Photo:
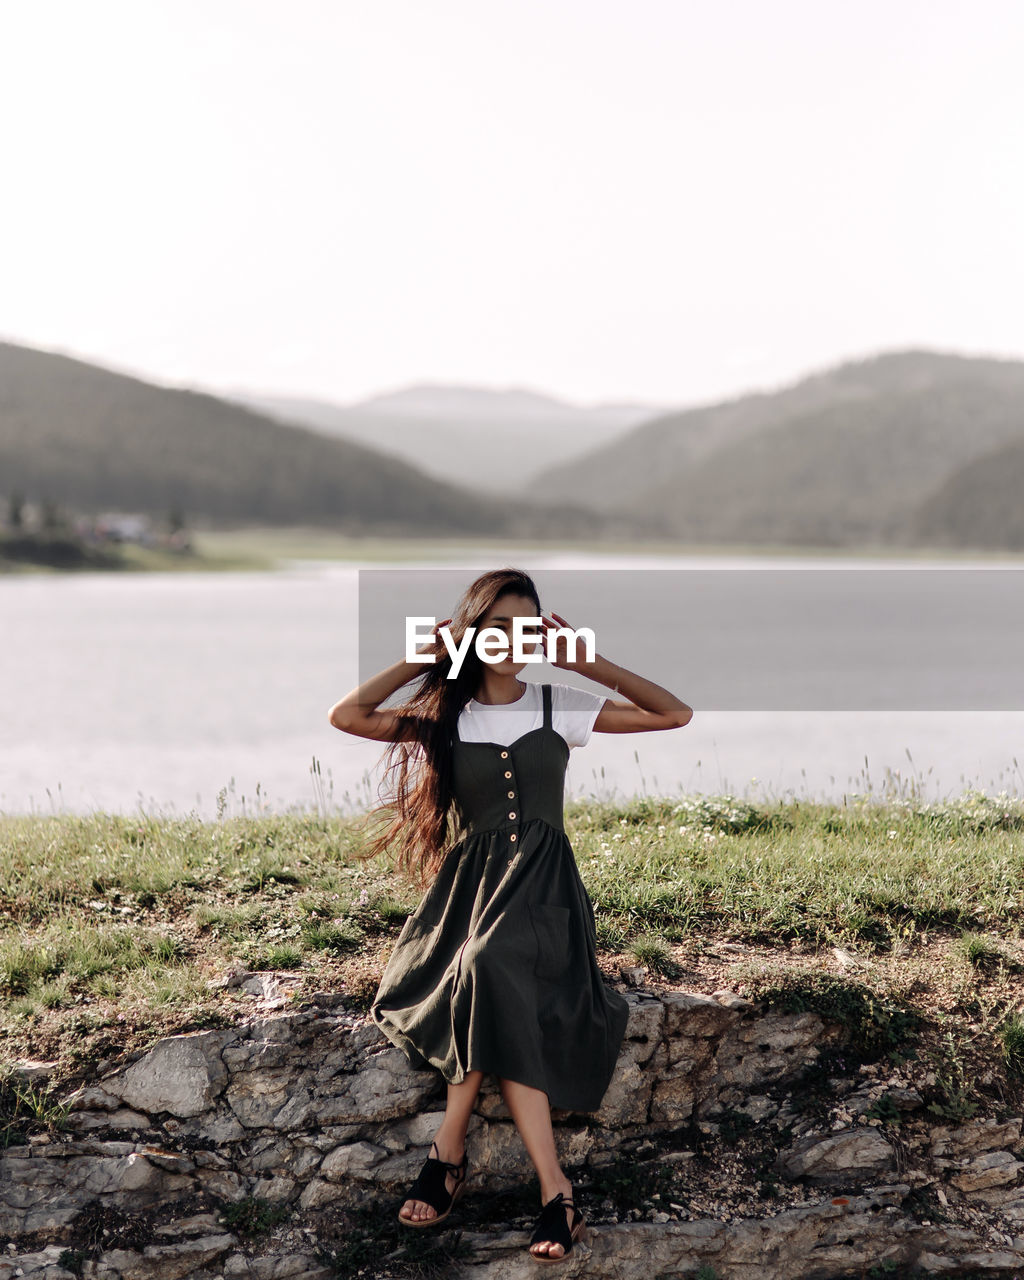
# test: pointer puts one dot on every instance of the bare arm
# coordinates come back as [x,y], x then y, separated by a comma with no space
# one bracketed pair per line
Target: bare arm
[650,706]
[357,711]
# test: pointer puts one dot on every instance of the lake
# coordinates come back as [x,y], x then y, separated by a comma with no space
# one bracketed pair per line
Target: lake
[209,692]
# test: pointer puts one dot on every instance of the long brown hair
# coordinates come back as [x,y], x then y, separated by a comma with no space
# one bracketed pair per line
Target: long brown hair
[416,788]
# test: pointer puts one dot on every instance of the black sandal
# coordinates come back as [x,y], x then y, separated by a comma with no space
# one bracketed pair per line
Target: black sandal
[551,1226]
[430,1188]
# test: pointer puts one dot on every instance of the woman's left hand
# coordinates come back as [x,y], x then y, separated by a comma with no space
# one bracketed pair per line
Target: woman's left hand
[559,656]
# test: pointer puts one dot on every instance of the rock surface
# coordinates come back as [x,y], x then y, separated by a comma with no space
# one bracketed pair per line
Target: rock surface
[316,1113]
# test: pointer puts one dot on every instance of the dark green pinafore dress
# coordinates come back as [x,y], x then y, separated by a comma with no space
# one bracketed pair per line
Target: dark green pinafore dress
[496,969]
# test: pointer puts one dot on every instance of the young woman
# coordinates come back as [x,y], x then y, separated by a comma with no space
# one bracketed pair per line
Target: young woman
[496,969]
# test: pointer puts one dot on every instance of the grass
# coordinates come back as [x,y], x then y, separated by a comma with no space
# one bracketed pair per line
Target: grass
[877,1025]
[253,1216]
[654,953]
[64,552]
[263,547]
[627,1181]
[868,876]
[373,1243]
[312,543]
[26,1108]
[113,927]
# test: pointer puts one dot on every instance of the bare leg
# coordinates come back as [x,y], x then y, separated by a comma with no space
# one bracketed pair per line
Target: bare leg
[450,1139]
[531,1111]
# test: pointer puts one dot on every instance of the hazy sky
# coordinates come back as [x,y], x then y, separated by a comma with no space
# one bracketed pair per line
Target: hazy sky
[659,200]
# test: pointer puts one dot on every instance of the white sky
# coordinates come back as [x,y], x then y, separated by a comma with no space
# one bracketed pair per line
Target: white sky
[659,200]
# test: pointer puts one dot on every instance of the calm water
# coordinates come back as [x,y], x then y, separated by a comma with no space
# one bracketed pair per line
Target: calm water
[201,692]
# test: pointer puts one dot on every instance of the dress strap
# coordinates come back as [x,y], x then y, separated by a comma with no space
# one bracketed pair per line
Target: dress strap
[546,694]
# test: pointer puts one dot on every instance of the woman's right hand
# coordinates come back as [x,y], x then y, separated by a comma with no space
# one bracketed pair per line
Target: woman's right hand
[357,712]
[435,644]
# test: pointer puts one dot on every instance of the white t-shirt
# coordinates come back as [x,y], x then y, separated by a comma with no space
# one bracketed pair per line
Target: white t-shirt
[573,712]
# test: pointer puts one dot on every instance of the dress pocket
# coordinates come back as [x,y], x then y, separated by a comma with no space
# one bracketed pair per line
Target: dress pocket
[551,924]
[418,924]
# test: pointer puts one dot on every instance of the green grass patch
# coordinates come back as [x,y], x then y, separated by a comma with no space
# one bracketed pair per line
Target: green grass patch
[26,1108]
[652,951]
[979,951]
[627,1181]
[374,1243]
[144,911]
[253,1216]
[1011,1035]
[862,875]
[877,1025]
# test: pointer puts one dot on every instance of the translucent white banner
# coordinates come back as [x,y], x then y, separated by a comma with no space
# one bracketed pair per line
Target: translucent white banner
[802,639]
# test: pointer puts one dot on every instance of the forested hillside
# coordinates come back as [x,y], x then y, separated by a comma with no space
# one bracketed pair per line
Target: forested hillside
[494,439]
[909,448]
[89,438]
[981,505]
[857,454]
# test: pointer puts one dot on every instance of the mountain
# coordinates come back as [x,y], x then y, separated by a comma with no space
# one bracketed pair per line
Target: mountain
[980,505]
[844,457]
[92,439]
[490,439]
[905,448]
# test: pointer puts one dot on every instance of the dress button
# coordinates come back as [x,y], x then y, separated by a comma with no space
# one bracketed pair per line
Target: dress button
[512,837]
[507,774]
[512,814]
[504,755]
[511,795]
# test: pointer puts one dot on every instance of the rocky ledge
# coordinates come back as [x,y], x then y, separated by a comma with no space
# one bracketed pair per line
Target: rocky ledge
[731,1139]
